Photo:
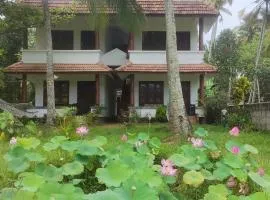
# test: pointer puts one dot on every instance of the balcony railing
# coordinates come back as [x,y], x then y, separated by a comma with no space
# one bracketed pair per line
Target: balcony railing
[159,57]
[63,56]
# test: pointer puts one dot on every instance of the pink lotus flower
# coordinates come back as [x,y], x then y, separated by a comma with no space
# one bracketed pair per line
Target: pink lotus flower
[235,131]
[235,150]
[82,131]
[261,171]
[13,141]
[196,142]
[167,168]
[124,138]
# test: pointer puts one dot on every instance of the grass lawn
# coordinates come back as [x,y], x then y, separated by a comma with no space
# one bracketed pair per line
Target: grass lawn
[113,132]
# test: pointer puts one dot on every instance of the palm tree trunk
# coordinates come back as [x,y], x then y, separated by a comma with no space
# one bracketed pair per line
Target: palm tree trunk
[178,120]
[256,87]
[50,75]
[213,40]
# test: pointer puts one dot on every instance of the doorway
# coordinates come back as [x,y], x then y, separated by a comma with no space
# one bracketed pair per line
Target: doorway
[186,94]
[86,96]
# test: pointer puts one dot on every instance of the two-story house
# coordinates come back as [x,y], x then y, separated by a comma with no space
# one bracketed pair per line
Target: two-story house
[116,69]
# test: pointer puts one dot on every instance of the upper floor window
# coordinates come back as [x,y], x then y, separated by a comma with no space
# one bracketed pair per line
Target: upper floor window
[88,40]
[151,92]
[62,40]
[154,40]
[183,41]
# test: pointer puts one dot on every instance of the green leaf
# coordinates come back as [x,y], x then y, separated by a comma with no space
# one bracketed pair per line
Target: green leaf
[259,196]
[8,193]
[201,132]
[18,165]
[34,157]
[193,178]
[31,182]
[207,175]
[147,175]
[49,146]
[29,143]
[222,172]
[214,196]
[73,168]
[240,174]
[107,194]
[219,189]
[181,160]
[114,174]
[50,173]
[263,181]
[209,144]
[251,149]
[16,152]
[70,146]
[59,139]
[233,161]
[87,150]
[99,141]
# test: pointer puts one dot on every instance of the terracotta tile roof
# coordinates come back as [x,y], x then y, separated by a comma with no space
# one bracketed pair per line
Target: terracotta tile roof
[152,7]
[21,67]
[159,68]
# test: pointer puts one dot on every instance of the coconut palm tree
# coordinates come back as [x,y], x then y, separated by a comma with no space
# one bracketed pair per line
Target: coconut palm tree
[50,75]
[178,120]
[219,5]
[262,6]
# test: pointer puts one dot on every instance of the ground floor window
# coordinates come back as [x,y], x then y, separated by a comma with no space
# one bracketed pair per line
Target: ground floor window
[61,89]
[151,92]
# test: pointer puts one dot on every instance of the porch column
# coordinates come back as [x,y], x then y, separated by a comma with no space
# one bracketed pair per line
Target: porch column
[97,89]
[201,27]
[131,41]
[202,90]
[132,90]
[97,45]
[24,89]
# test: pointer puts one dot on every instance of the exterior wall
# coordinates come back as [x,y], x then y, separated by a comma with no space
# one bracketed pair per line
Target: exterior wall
[80,23]
[143,111]
[182,24]
[77,24]
[38,81]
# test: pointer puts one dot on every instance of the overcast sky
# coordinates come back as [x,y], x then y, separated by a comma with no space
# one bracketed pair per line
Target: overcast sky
[233,21]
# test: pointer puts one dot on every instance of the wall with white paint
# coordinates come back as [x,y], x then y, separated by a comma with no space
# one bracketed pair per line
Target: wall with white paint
[182,24]
[143,111]
[38,81]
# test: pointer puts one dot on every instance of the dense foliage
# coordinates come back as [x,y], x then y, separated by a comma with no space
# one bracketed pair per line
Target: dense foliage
[87,169]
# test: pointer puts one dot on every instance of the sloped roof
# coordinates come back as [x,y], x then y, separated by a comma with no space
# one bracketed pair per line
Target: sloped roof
[21,67]
[160,68]
[151,7]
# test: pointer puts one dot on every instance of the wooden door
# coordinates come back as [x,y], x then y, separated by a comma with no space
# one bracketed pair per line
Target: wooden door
[86,96]
[186,94]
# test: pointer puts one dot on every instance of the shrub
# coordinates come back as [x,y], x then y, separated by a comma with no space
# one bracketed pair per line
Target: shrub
[240,89]
[240,117]
[9,125]
[214,105]
[161,113]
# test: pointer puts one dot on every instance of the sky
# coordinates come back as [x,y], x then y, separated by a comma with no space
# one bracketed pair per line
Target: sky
[233,21]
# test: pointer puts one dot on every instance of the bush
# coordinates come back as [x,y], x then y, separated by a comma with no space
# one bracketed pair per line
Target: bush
[240,117]
[161,113]
[214,105]
[9,125]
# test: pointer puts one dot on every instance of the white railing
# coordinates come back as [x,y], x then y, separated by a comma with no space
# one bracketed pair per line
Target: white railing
[159,57]
[63,56]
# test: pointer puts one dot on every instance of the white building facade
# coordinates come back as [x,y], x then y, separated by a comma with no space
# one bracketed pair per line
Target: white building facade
[116,69]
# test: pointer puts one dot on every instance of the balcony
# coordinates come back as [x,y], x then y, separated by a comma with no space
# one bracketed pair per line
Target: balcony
[159,57]
[63,56]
